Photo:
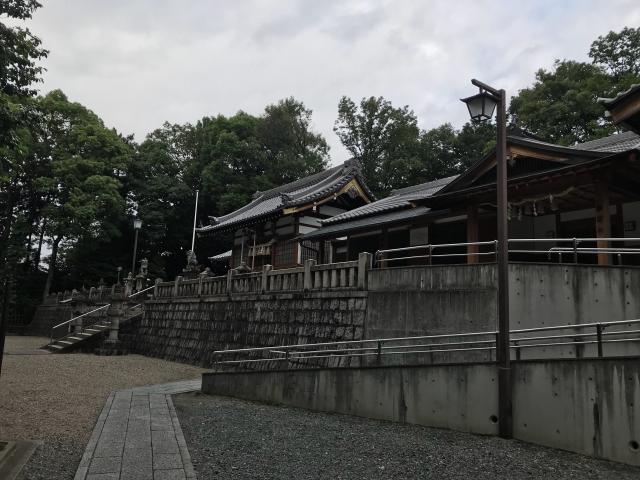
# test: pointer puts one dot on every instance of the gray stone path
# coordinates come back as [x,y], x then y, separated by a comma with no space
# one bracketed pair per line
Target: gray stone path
[138,437]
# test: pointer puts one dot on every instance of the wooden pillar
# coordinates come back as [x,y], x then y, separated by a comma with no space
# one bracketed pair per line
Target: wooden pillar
[603,221]
[321,252]
[472,233]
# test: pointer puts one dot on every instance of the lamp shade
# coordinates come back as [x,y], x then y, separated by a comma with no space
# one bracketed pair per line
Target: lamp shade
[137,223]
[481,106]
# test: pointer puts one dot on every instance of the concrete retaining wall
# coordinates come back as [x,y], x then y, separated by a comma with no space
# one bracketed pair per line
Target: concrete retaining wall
[397,302]
[586,406]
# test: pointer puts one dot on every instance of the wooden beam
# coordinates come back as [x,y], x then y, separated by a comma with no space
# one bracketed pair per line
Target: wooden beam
[625,109]
[472,233]
[353,184]
[518,151]
[603,221]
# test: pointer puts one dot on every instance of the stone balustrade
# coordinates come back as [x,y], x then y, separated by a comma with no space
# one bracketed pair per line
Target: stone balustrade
[310,277]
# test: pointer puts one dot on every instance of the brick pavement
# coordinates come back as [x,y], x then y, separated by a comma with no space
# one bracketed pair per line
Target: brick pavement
[138,437]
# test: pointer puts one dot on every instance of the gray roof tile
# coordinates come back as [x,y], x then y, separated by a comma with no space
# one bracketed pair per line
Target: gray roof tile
[303,191]
[339,229]
[221,256]
[398,199]
[620,142]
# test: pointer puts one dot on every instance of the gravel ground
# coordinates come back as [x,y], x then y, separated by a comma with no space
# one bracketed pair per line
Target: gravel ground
[235,439]
[57,398]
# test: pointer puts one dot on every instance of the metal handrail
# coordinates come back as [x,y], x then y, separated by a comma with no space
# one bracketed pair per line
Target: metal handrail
[381,256]
[431,247]
[141,291]
[76,318]
[380,346]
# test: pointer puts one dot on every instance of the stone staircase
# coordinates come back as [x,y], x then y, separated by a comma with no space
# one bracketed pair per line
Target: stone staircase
[74,339]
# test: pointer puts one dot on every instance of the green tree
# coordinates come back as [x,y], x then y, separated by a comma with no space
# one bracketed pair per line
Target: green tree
[383,138]
[19,52]
[561,106]
[227,159]
[473,141]
[87,162]
[160,196]
[293,150]
[618,52]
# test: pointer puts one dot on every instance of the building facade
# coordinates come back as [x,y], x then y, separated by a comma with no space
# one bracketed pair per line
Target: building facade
[590,191]
[268,229]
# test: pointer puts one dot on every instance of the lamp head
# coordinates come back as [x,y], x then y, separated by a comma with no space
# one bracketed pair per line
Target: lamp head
[481,106]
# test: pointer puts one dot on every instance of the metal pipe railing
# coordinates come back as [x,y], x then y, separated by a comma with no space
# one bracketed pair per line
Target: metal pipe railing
[141,291]
[381,256]
[76,318]
[389,346]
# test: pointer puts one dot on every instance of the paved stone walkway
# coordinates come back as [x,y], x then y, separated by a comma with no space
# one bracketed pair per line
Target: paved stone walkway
[138,437]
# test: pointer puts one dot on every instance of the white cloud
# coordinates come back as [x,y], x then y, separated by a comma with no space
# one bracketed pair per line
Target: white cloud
[138,63]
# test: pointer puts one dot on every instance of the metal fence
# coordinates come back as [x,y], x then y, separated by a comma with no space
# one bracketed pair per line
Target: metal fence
[560,250]
[587,340]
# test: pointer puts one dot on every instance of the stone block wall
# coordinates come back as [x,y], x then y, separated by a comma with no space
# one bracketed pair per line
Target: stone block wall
[47,316]
[189,329]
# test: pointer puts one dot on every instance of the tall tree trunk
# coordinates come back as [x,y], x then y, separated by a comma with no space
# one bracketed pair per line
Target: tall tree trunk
[52,267]
[40,240]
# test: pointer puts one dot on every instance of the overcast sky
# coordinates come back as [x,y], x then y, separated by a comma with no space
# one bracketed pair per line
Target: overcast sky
[139,63]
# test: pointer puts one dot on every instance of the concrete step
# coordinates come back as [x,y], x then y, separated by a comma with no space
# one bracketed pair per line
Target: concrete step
[57,347]
[75,338]
[66,342]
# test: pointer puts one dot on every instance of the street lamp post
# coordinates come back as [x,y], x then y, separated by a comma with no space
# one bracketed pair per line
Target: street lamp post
[137,225]
[481,107]
[119,269]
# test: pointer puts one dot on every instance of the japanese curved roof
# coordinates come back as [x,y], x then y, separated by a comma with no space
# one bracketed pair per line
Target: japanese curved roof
[221,257]
[397,200]
[621,96]
[620,142]
[298,193]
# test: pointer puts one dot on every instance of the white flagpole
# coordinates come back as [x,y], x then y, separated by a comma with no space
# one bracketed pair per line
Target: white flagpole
[195,216]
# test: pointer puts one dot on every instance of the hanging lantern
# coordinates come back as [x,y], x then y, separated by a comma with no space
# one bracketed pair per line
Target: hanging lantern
[520,213]
[481,105]
[553,204]
[535,211]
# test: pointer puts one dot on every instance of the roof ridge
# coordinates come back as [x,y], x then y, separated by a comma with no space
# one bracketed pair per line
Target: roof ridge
[419,186]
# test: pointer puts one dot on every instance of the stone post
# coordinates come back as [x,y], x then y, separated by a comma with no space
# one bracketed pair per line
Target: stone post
[176,285]
[155,287]
[307,280]
[365,260]
[230,275]
[77,324]
[128,285]
[115,314]
[201,278]
[265,278]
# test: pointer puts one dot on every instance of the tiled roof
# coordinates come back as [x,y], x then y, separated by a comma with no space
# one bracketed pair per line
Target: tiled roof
[620,142]
[399,199]
[301,192]
[221,256]
[610,102]
[339,229]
